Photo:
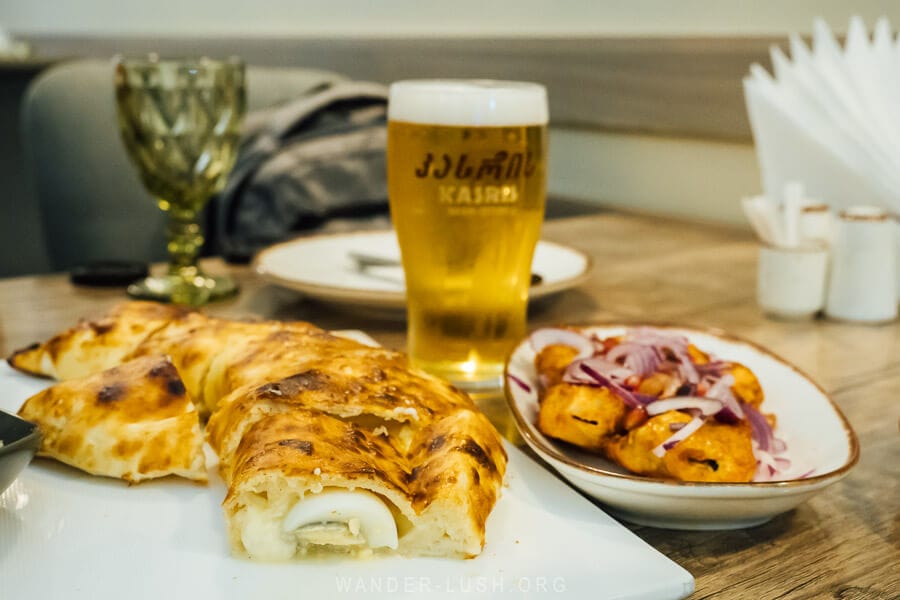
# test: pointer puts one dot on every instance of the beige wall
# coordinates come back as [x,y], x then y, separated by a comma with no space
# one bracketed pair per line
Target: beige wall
[417,17]
[680,177]
[689,179]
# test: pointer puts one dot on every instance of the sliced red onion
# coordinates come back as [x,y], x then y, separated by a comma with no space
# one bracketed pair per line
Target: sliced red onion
[574,373]
[655,337]
[692,426]
[761,430]
[714,367]
[640,358]
[765,469]
[727,416]
[588,365]
[550,336]
[680,363]
[721,391]
[519,382]
[687,370]
[723,383]
[644,398]
[807,474]
[765,447]
[675,426]
[778,445]
[677,344]
[706,406]
[768,465]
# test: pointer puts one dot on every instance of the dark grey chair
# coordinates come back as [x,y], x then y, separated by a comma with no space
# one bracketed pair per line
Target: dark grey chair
[92,204]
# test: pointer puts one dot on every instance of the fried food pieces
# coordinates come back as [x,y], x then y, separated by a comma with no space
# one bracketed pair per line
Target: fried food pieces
[581,415]
[630,399]
[716,452]
[134,422]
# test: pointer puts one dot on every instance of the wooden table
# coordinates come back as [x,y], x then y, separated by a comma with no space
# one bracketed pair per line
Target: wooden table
[842,544]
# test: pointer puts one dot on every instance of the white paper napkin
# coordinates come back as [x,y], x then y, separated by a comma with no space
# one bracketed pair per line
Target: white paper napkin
[829,117]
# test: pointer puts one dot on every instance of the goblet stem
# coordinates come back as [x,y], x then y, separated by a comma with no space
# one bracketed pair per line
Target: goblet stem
[188,285]
[185,239]
[185,283]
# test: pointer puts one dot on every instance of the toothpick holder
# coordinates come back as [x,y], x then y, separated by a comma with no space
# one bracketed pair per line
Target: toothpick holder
[791,281]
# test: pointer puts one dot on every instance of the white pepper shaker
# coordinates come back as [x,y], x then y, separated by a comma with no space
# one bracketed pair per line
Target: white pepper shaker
[863,285]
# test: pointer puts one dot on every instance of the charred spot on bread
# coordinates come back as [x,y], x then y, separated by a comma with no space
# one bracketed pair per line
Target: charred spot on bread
[311,380]
[436,443]
[111,393]
[164,369]
[302,446]
[377,375]
[175,387]
[102,327]
[414,474]
[472,448]
[124,448]
[388,397]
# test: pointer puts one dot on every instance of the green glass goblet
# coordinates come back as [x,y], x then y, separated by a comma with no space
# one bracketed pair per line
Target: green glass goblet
[180,122]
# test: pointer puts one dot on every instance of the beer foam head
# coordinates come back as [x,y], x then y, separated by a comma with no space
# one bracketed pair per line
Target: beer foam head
[478,103]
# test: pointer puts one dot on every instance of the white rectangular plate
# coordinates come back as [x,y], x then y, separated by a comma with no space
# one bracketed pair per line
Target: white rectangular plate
[66,534]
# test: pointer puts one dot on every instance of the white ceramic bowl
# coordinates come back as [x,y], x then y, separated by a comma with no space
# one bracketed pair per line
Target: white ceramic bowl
[818,436]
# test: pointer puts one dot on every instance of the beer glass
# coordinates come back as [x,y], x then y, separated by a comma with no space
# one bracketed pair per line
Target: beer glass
[180,122]
[467,186]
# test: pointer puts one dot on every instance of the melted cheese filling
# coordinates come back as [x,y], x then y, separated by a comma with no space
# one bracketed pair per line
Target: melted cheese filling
[334,518]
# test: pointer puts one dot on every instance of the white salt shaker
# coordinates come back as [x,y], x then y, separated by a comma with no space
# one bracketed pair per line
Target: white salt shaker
[791,280]
[863,283]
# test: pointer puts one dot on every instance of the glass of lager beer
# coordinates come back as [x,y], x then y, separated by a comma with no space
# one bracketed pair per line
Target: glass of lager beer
[467,186]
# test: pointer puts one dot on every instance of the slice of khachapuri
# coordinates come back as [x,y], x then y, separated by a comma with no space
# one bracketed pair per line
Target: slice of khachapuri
[326,445]
[304,482]
[95,345]
[353,455]
[196,344]
[135,422]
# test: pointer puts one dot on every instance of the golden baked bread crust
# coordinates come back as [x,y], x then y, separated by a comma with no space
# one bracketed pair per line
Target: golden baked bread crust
[95,345]
[135,421]
[361,419]
[195,342]
[295,409]
[347,380]
[444,485]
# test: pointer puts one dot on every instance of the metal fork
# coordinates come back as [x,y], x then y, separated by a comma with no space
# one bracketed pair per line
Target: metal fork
[364,261]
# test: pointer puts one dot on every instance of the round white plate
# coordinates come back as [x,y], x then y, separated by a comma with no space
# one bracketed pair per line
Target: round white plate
[322,267]
[60,528]
[818,437]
